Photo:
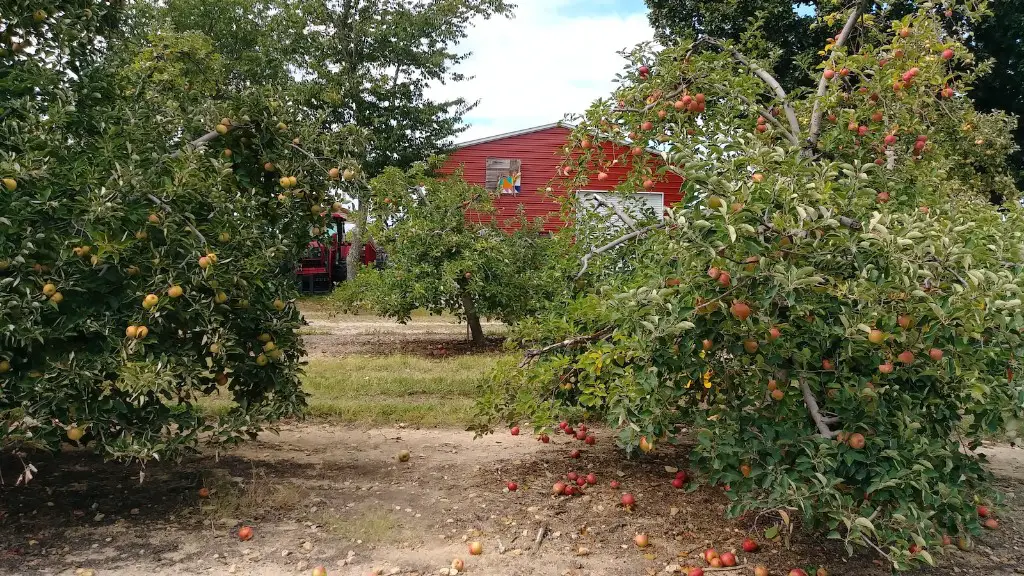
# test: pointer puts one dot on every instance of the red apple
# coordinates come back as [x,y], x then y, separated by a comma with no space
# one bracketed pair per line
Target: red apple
[882,197]
[581,482]
[947,540]
[886,368]
[750,546]
[984,512]
[740,310]
[695,572]
[760,571]
[914,549]
[710,554]
[829,74]
[602,176]
[935,354]
[904,321]
[558,489]
[245,533]
[890,139]
[681,475]
[774,333]
[906,357]
[574,454]
[728,559]
[319,571]
[628,500]
[476,548]
[904,32]
[991,524]
[715,562]
[544,438]
[581,435]
[677,484]
[592,479]
[591,440]
[563,425]
[797,572]
[569,431]
[947,54]
[572,476]
[725,279]
[644,71]
[714,273]
[515,430]
[856,441]
[512,486]
[641,540]
[614,484]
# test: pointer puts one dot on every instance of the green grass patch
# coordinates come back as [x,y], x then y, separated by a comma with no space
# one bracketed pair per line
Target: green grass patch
[387,390]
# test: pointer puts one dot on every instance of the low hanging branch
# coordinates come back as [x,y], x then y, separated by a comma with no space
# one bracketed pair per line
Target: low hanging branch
[812,407]
[814,132]
[617,209]
[567,343]
[780,92]
[618,241]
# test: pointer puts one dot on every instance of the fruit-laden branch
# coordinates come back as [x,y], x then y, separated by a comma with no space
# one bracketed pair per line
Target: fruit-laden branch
[167,209]
[620,240]
[208,137]
[617,209]
[818,112]
[767,115]
[812,407]
[567,343]
[768,79]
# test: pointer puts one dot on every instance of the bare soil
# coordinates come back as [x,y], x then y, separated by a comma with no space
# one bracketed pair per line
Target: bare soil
[338,497]
[332,335]
[335,496]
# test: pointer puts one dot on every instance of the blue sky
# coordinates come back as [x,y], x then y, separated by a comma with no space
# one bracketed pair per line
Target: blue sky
[552,58]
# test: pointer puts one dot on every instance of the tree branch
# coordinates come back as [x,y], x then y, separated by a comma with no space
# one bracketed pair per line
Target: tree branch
[621,240]
[818,112]
[167,209]
[768,79]
[768,116]
[208,137]
[877,549]
[617,209]
[812,407]
[567,343]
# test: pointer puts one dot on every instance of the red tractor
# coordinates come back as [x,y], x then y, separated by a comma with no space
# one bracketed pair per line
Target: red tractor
[324,265]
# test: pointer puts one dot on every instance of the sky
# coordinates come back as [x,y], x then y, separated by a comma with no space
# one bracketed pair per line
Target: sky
[551,58]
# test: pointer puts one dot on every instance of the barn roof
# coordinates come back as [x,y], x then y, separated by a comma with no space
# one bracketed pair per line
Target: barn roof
[531,130]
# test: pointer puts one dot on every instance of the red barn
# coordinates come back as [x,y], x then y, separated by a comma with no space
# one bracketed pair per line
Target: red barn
[536,154]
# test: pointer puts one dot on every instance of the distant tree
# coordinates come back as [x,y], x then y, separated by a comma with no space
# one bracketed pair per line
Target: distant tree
[441,260]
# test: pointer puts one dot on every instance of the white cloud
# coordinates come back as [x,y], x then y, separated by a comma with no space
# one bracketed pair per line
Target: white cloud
[549,60]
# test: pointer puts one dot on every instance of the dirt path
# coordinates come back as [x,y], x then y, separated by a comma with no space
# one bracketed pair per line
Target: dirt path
[318,494]
[336,335]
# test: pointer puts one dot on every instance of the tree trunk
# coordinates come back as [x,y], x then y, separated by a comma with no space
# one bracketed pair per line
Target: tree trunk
[355,253]
[472,319]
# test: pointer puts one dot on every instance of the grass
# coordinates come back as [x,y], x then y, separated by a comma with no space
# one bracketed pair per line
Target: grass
[387,390]
[381,390]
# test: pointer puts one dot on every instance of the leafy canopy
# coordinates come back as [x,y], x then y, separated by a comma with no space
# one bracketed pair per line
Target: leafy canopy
[836,270]
[152,206]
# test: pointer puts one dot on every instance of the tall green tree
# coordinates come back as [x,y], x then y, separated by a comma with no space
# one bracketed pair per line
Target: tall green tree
[834,321]
[364,63]
[787,36]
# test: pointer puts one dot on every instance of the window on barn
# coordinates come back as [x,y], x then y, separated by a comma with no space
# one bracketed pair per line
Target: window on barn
[503,175]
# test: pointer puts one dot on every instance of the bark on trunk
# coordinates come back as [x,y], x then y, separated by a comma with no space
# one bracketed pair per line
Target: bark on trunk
[354,260]
[472,319]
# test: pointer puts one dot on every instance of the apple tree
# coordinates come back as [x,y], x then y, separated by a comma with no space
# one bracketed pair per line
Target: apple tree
[150,211]
[445,253]
[837,269]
